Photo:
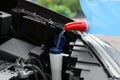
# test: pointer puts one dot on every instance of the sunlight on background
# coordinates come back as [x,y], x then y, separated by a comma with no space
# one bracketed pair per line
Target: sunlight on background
[69,8]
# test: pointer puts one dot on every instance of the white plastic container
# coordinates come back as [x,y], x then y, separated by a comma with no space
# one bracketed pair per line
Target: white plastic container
[56,63]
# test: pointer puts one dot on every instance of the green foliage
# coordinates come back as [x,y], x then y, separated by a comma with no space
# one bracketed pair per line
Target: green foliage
[65,7]
[74,5]
[43,3]
[62,9]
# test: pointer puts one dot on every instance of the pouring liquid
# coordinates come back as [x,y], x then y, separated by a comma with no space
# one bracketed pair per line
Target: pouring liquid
[60,37]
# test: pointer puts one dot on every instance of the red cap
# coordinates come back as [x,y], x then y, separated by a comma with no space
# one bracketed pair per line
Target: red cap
[80,26]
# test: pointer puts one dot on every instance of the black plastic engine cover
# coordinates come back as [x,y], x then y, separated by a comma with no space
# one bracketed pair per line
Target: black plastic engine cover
[5,22]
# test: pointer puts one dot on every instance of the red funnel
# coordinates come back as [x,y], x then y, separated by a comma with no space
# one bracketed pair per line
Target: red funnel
[80,26]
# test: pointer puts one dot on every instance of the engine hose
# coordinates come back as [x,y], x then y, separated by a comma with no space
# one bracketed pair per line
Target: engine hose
[36,77]
[40,71]
[35,59]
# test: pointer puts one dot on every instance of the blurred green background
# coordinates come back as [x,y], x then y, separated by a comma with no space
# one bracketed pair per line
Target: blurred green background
[67,8]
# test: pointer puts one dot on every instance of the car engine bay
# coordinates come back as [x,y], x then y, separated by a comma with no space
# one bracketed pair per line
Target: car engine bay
[27,32]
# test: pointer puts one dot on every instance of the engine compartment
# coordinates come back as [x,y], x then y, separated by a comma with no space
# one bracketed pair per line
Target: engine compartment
[80,64]
[27,33]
